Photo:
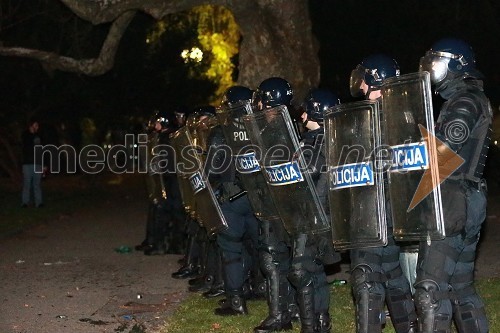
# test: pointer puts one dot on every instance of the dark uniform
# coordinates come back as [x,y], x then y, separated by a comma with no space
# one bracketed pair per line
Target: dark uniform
[312,251]
[376,274]
[444,289]
[237,260]
[165,211]
[274,242]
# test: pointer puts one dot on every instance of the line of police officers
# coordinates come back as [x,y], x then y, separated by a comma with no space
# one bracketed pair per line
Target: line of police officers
[262,208]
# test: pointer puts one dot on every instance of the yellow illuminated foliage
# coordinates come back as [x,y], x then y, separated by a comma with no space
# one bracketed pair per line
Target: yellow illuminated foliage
[219,34]
[218,37]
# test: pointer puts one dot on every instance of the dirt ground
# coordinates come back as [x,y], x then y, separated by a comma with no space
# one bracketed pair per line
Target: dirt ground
[66,276]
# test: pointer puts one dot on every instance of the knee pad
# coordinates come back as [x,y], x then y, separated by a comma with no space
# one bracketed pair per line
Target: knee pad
[426,295]
[428,301]
[470,319]
[267,264]
[369,295]
[363,278]
[299,278]
[402,310]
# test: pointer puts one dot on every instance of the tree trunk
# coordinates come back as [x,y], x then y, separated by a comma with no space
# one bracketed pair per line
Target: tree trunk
[277,41]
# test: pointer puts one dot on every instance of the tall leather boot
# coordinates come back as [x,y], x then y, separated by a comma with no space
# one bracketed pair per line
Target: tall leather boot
[217,288]
[191,268]
[402,310]
[279,316]
[323,323]
[305,298]
[210,268]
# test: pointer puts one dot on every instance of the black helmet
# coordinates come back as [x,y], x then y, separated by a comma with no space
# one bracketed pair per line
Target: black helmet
[272,92]
[236,94]
[205,110]
[372,70]
[447,59]
[317,102]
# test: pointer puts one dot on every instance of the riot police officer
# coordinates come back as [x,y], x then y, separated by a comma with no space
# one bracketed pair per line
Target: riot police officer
[444,289]
[376,274]
[205,266]
[237,259]
[159,186]
[275,243]
[192,265]
[312,251]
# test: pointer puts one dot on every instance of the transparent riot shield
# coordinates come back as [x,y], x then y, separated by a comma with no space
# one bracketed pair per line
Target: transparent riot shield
[155,182]
[184,186]
[189,164]
[356,186]
[231,122]
[408,128]
[291,188]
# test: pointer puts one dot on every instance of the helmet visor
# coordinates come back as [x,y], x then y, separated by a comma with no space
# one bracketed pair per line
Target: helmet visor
[436,64]
[265,99]
[356,80]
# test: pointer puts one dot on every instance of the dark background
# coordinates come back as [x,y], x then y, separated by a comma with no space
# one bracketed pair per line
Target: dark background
[146,77]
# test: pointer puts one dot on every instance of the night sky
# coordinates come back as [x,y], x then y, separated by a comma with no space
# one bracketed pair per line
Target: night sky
[350,30]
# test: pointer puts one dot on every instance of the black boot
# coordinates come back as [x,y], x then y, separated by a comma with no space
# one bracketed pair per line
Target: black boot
[188,271]
[154,250]
[191,269]
[196,281]
[305,298]
[143,246]
[216,290]
[323,323]
[235,305]
[205,284]
[279,317]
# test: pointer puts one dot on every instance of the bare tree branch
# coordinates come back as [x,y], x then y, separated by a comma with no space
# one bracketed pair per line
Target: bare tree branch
[102,11]
[92,67]
[276,36]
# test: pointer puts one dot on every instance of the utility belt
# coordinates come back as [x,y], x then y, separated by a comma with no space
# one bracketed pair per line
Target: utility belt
[229,191]
[479,184]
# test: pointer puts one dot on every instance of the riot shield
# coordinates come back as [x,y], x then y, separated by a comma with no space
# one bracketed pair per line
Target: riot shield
[189,164]
[291,188]
[155,182]
[408,128]
[184,186]
[247,166]
[356,186]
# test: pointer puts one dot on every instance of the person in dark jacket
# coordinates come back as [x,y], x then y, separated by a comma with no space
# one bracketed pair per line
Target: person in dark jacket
[312,251]
[32,164]
[444,287]
[376,274]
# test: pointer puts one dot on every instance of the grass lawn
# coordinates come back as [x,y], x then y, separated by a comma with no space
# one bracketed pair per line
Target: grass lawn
[195,315]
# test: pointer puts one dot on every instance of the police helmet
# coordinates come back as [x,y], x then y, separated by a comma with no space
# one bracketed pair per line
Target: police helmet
[272,92]
[373,70]
[236,94]
[180,113]
[205,110]
[317,102]
[447,59]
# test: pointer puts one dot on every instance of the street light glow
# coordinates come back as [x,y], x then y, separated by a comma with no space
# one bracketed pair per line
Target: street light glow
[195,54]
